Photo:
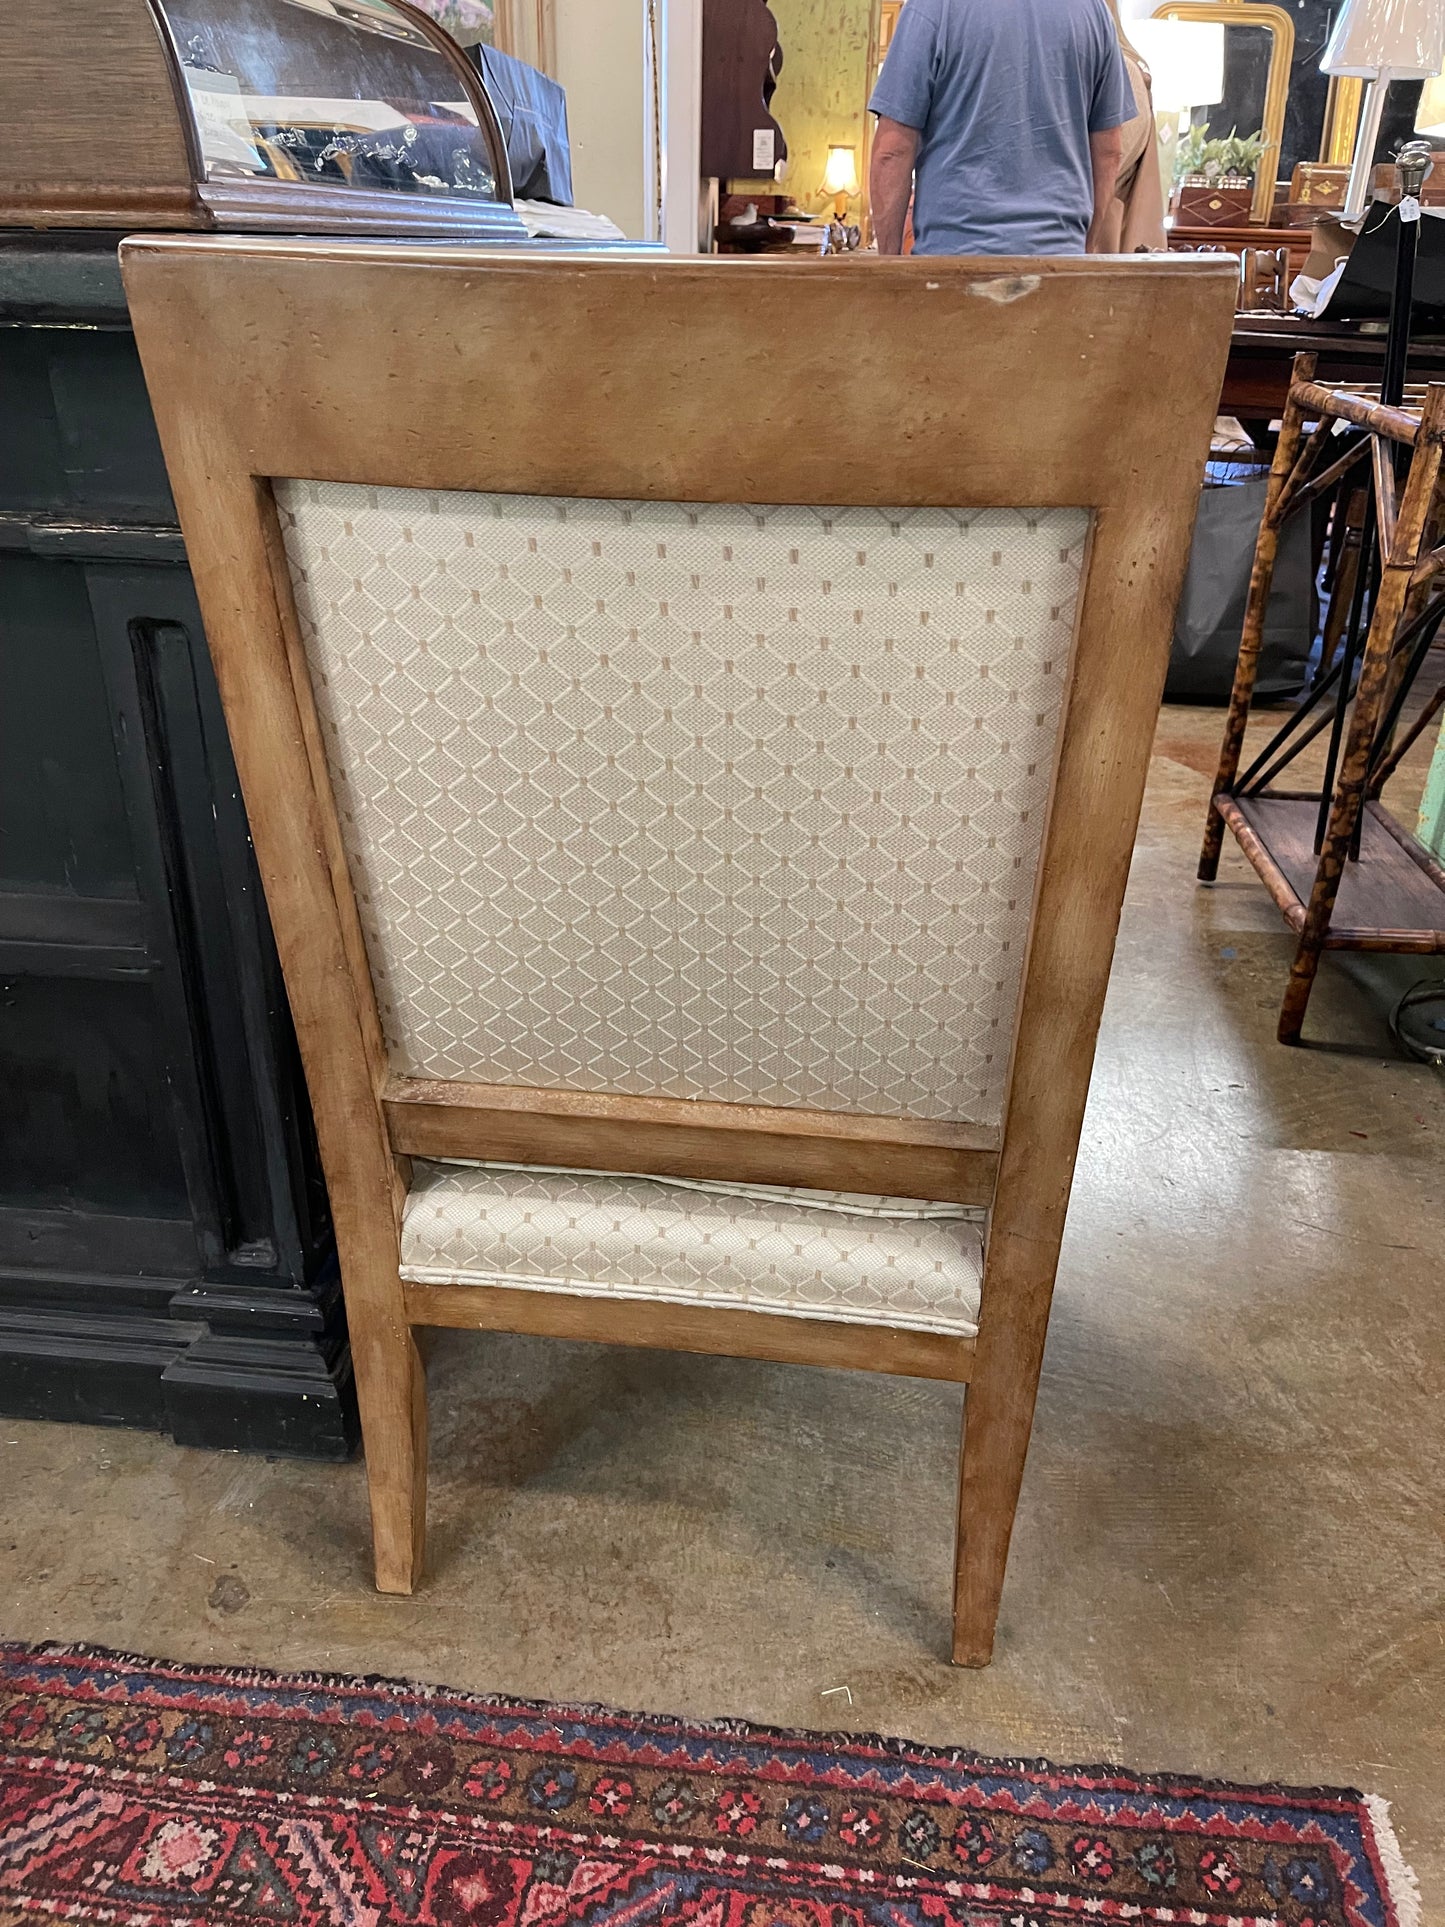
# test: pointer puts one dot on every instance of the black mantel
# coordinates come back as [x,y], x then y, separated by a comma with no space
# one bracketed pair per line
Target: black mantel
[165,1253]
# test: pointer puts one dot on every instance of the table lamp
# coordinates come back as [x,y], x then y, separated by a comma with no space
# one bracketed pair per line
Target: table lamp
[1378,41]
[841,178]
[1430,114]
[1185,59]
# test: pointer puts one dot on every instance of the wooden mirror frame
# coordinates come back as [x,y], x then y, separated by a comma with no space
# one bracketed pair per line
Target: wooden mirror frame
[1252,13]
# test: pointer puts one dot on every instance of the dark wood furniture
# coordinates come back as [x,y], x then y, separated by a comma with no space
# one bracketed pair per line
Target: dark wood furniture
[1234,239]
[1262,351]
[741,59]
[165,1248]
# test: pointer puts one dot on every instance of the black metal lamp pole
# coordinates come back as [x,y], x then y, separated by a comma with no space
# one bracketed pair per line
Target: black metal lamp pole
[1413,162]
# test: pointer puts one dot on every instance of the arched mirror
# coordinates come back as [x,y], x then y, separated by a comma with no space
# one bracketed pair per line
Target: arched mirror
[1249,87]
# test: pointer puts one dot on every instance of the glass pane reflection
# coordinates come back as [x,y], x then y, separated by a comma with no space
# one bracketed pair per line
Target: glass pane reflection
[340,93]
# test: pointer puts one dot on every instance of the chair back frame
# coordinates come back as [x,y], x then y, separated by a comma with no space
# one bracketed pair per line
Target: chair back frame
[1071,383]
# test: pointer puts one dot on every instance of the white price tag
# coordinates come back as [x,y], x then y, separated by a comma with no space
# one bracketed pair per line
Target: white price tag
[1409,208]
[763,150]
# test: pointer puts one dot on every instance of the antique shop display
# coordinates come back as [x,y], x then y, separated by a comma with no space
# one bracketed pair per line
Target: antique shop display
[1214,183]
[715,1002]
[1345,872]
[1258,47]
[1225,70]
[1378,45]
[1315,188]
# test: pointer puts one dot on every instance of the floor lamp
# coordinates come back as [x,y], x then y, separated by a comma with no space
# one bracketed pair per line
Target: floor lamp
[1378,41]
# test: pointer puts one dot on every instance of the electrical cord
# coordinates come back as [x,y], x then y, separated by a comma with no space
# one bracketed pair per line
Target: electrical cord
[1429,990]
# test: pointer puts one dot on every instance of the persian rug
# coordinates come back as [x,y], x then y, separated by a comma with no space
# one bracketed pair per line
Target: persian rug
[148,1795]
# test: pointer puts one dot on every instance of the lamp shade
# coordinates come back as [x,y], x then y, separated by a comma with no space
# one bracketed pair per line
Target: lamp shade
[1430,115]
[841,176]
[1185,59]
[1387,40]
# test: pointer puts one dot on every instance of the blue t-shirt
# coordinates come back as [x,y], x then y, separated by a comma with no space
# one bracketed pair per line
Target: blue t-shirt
[1005,94]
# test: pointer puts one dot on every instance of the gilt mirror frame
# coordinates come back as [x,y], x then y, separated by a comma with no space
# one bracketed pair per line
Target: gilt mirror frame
[1252,13]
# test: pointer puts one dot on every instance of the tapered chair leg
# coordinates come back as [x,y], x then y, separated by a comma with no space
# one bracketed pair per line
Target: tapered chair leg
[997,1419]
[391,1391]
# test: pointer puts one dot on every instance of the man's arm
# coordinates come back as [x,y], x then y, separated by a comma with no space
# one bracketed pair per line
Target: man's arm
[890,181]
[1106,150]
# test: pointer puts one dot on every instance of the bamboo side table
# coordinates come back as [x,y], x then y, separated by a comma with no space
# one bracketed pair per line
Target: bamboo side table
[1344,872]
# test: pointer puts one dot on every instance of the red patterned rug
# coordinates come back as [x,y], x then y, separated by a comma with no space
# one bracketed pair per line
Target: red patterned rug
[149,1795]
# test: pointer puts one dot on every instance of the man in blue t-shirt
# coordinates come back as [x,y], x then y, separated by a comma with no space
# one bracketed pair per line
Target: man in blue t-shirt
[1002,118]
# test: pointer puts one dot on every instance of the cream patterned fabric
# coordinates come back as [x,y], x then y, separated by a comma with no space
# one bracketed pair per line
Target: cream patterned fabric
[813,1254]
[697,801]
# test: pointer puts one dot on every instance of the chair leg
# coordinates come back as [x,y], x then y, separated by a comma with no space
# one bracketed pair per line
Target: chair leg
[391,1391]
[1261,577]
[1302,974]
[997,1420]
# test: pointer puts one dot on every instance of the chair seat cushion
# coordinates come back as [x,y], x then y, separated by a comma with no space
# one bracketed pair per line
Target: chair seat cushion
[810,1254]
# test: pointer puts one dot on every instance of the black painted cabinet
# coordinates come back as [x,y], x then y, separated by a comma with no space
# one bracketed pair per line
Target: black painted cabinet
[165,1257]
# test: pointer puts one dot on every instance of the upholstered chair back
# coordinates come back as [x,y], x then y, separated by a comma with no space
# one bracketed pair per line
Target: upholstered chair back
[693,800]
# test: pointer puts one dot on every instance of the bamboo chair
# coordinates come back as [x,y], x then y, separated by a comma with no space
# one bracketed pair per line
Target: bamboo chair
[696,917]
[1345,874]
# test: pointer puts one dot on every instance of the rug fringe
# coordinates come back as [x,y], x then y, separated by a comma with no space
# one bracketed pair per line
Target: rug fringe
[1404,1888]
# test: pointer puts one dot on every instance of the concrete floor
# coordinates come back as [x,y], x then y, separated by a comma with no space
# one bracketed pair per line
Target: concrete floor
[1229,1553]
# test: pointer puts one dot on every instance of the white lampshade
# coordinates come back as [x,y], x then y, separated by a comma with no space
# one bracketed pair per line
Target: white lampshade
[841,176]
[1387,40]
[1185,59]
[1430,115]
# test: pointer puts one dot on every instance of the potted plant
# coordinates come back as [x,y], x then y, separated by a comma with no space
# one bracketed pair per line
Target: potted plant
[1214,179]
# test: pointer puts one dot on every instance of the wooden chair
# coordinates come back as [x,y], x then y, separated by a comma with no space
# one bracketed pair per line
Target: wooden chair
[696,916]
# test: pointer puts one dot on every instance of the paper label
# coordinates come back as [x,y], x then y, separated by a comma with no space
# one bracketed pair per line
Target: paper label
[222,122]
[763,150]
[1409,208]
